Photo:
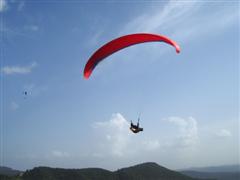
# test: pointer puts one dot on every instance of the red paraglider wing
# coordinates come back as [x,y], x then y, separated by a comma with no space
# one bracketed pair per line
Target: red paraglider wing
[120,43]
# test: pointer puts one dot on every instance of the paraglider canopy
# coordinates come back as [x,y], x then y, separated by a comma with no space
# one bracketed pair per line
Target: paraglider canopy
[120,43]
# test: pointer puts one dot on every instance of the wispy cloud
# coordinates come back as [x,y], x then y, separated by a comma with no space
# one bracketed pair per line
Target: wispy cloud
[11,32]
[223,133]
[175,19]
[187,134]
[31,27]
[14,106]
[162,17]
[3,5]
[60,154]
[9,70]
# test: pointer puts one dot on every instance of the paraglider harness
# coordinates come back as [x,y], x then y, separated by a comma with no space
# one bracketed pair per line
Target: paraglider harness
[135,128]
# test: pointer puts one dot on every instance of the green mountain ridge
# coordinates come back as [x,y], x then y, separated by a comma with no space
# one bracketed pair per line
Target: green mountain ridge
[145,171]
[150,171]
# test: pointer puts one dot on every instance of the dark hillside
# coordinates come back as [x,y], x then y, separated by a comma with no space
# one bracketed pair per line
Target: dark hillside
[150,171]
[46,173]
[146,171]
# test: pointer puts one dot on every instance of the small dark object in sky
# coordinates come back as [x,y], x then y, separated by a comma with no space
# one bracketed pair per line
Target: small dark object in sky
[25,93]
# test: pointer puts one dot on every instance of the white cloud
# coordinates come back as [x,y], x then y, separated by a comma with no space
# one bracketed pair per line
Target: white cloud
[116,121]
[31,27]
[3,5]
[117,134]
[224,133]
[115,139]
[176,145]
[187,135]
[60,154]
[8,70]
[14,106]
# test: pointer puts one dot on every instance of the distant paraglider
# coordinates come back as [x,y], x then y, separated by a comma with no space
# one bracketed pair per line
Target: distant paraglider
[120,43]
[25,93]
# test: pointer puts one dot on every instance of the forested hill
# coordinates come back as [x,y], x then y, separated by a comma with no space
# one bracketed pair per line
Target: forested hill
[150,171]
[145,171]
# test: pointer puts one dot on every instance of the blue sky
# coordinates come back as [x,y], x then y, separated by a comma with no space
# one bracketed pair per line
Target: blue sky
[188,102]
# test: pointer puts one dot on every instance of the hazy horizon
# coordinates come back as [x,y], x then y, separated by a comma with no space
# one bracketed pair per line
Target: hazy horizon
[189,102]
